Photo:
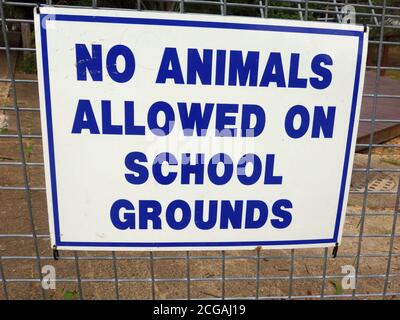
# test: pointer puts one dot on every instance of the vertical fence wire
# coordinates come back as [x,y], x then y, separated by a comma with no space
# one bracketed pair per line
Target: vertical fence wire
[223,7]
[223,268]
[306,10]
[291,272]
[258,263]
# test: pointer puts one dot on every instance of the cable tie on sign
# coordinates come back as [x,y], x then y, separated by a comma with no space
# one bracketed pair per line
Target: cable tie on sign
[335,250]
[56,254]
[38,8]
[365,27]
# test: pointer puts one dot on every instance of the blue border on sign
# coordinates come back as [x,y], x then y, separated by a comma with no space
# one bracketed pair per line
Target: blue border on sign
[194,24]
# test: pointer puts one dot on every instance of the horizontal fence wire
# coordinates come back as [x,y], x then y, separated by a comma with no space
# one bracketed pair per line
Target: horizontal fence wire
[370,241]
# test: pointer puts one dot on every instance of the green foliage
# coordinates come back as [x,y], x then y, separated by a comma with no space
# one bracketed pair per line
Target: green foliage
[70,295]
[337,286]
[391,161]
[282,13]
[28,149]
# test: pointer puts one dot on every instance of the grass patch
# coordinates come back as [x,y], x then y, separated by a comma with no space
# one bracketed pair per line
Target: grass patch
[394,74]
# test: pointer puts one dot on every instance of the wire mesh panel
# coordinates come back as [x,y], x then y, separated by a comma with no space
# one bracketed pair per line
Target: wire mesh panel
[368,257]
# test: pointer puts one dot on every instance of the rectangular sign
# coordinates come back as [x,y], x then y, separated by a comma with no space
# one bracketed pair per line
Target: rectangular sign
[165,131]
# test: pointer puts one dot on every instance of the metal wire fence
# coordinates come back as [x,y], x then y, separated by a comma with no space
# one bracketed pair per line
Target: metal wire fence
[371,244]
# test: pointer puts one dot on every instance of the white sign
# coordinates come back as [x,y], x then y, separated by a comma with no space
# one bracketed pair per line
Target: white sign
[165,131]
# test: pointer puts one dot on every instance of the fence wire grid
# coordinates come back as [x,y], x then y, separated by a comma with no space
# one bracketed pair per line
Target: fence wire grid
[370,243]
